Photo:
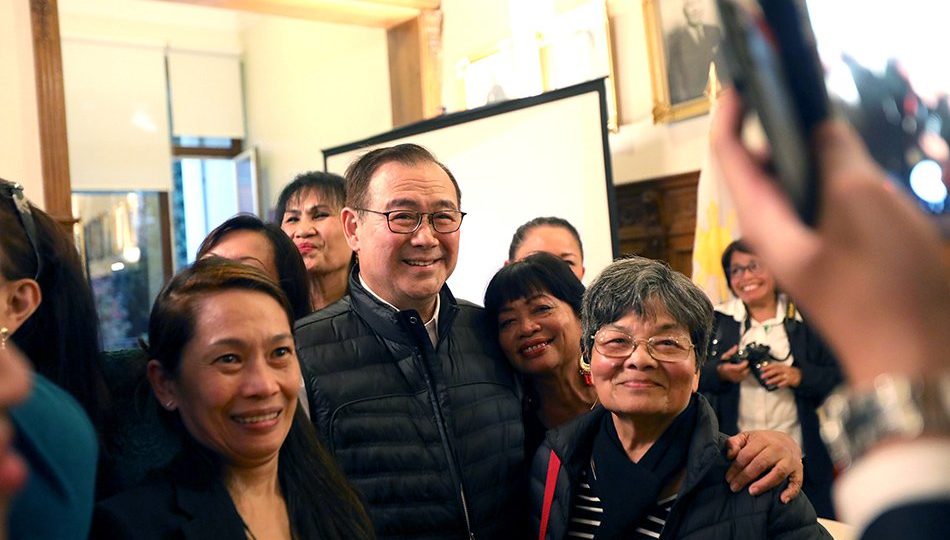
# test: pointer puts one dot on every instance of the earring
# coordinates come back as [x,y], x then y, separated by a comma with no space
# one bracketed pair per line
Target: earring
[170,405]
[4,336]
[585,371]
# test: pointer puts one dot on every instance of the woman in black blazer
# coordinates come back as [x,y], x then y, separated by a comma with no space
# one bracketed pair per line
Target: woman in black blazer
[797,375]
[224,367]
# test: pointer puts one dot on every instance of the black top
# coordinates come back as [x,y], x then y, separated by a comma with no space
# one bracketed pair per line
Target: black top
[820,375]
[181,501]
[418,428]
[705,507]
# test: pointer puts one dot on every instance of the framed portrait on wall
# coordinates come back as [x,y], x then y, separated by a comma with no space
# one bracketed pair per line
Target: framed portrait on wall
[683,38]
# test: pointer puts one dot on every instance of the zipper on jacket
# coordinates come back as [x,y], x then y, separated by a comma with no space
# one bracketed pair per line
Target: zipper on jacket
[449,453]
[468,524]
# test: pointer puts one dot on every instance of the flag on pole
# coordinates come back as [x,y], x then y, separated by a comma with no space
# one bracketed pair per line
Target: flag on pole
[716,223]
[716,228]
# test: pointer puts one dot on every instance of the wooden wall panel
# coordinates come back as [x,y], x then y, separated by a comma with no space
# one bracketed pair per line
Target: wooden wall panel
[658,219]
[414,68]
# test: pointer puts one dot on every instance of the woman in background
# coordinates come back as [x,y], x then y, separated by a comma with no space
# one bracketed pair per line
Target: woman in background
[781,391]
[247,239]
[308,210]
[535,306]
[223,366]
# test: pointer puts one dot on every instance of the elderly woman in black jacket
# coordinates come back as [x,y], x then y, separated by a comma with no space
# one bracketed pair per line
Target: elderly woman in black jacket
[649,462]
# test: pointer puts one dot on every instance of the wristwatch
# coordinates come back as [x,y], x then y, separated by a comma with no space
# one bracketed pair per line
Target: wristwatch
[896,407]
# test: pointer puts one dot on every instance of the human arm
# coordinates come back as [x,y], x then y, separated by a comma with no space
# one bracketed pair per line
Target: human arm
[719,373]
[730,372]
[870,244]
[59,444]
[767,458]
[873,245]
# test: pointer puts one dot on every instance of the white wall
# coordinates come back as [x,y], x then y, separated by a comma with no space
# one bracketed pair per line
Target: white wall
[310,86]
[640,150]
[307,85]
[469,29]
[19,124]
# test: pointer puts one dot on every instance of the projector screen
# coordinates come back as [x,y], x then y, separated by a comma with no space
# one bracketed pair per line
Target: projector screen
[545,155]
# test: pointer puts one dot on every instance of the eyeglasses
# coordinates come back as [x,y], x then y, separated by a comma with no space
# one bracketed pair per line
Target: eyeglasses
[620,345]
[408,221]
[753,267]
[14,191]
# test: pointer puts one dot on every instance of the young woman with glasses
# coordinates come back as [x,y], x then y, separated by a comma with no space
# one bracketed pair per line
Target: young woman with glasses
[778,388]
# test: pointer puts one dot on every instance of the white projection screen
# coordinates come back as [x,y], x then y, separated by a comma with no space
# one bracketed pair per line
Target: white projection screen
[545,155]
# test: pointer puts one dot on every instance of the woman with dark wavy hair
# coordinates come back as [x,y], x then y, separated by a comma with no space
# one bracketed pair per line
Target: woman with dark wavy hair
[224,367]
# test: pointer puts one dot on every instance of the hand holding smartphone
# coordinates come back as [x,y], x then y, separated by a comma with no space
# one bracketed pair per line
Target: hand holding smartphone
[770,55]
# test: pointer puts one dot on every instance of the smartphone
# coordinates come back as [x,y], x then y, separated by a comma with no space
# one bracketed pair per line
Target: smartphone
[770,55]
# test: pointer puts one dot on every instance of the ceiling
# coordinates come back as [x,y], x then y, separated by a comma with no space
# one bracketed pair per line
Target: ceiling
[376,13]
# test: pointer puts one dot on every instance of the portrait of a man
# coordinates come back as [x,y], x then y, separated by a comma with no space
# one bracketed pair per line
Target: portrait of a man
[692,42]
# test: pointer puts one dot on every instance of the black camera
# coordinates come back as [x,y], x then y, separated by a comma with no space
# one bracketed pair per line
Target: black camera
[758,355]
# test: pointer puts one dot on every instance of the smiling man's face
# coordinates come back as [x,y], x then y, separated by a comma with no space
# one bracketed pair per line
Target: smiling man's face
[406,270]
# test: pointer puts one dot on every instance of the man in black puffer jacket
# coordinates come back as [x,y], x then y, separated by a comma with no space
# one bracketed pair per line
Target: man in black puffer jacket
[406,384]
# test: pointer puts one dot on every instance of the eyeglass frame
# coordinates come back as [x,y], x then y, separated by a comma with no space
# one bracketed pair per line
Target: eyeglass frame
[636,345]
[15,191]
[737,270]
[419,216]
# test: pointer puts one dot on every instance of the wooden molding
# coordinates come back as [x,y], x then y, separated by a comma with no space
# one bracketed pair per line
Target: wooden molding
[377,13]
[430,27]
[51,106]
[415,80]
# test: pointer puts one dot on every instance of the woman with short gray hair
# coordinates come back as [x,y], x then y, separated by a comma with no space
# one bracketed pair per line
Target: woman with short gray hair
[649,461]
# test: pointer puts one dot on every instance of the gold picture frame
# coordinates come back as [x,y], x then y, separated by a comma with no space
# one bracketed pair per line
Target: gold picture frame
[676,94]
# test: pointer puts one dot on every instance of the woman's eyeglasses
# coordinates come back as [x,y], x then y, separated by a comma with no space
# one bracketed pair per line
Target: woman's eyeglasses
[620,345]
[14,192]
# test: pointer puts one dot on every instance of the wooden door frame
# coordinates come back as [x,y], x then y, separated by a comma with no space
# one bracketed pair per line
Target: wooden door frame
[51,111]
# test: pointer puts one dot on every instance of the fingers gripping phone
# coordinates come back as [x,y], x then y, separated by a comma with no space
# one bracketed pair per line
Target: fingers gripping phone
[770,55]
